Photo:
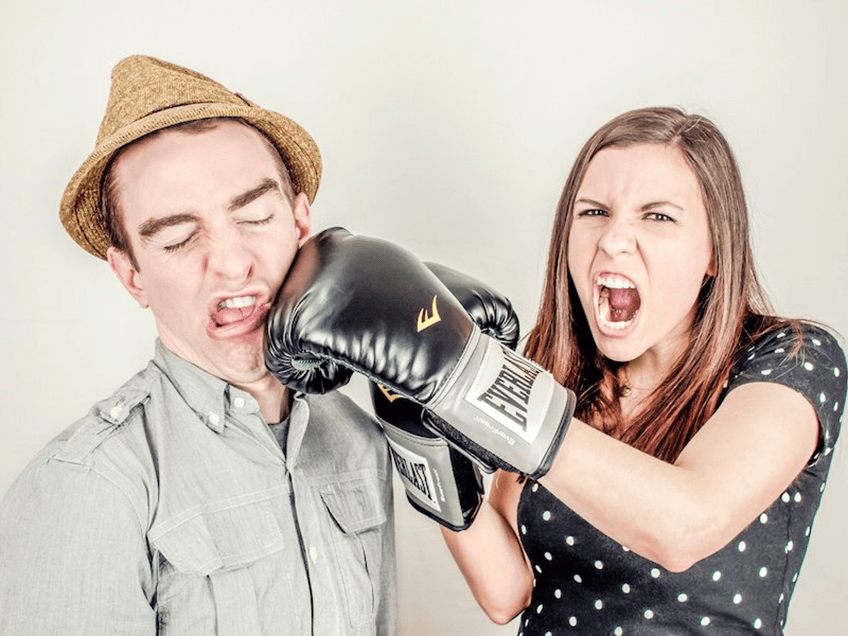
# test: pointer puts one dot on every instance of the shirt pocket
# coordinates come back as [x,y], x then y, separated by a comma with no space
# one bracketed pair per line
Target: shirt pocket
[358,509]
[213,565]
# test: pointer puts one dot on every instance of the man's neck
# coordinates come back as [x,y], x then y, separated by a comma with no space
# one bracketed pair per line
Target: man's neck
[273,398]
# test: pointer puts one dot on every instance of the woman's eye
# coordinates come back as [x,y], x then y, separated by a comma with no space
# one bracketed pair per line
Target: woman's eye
[658,216]
[592,212]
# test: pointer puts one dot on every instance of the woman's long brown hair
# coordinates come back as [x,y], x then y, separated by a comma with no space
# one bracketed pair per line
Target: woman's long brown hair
[732,307]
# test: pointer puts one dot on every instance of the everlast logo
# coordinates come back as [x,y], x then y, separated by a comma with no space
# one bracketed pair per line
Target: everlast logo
[415,473]
[510,392]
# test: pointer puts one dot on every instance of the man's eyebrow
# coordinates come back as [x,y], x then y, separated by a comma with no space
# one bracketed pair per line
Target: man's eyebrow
[152,226]
[254,193]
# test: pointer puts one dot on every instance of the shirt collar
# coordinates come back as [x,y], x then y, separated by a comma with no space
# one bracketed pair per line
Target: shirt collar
[208,395]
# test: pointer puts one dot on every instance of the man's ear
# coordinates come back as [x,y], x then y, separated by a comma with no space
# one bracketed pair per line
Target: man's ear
[126,272]
[302,218]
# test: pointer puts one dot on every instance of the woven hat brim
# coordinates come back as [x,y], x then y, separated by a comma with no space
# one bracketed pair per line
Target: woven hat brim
[79,209]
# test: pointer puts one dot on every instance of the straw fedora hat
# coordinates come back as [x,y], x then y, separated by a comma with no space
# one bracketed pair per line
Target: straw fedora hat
[148,94]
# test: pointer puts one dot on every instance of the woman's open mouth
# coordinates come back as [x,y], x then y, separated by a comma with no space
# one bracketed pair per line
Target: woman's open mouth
[618,303]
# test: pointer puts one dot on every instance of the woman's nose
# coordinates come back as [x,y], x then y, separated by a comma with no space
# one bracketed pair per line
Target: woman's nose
[618,238]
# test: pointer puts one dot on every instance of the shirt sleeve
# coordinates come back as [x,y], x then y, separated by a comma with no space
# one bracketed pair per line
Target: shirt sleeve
[809,360]
[73,558]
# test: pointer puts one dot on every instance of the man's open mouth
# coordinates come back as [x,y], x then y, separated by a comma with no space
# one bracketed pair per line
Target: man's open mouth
[232,310]
[618,302]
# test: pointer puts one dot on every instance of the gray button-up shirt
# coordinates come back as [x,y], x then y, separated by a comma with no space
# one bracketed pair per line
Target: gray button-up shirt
[171,509]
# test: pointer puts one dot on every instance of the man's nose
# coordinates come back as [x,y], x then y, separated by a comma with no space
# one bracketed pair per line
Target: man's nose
[229,256]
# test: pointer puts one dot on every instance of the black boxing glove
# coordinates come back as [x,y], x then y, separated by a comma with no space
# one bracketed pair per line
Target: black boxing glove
[440,481]
[373,307]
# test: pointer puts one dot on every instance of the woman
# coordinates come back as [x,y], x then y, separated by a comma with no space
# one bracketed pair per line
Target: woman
[683,495]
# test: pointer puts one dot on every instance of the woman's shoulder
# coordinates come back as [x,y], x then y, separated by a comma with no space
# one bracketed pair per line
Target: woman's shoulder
[790,343]
[802,355]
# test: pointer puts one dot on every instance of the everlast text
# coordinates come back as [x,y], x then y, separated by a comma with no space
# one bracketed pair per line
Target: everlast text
[510,392]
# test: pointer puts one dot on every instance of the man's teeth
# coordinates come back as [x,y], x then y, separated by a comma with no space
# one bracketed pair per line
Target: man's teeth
[237,303]
[615,283]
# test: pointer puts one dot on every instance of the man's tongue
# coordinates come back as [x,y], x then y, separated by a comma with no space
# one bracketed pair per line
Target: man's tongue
[623,303]
[229,315]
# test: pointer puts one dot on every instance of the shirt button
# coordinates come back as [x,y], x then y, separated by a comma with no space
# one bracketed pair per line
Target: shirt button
[213,417]
[313,553]
[238,402]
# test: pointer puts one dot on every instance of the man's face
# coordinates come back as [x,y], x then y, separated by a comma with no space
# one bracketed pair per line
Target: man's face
[213,235]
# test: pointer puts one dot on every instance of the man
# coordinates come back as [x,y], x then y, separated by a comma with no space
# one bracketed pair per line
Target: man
[202,497]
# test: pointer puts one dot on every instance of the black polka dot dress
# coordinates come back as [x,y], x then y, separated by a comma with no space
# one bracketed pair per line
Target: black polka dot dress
[586,583]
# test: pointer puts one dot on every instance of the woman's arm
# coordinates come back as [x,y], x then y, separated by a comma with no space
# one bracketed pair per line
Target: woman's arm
[490,556]
[742,459]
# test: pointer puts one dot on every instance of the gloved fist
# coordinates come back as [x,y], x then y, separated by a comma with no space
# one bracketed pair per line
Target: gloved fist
[373,307]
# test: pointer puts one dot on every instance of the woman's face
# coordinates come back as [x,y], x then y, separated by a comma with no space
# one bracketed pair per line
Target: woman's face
[638,250]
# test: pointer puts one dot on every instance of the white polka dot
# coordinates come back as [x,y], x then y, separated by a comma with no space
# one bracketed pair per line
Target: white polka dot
[618,631]
[794,577]
[599,565]
[625,548]
[763,572]
[780,600]
[535,487]
[548,556]
[809,366]
[807,532]
[705,621]
[781,334]
[572,621]
[548,634]
[716,575]
[538,569]
[789,546]
[797,497]
[682,597]
[546,515]
[836,371]
[737,599]
[765,372]
[655,572]
[558,593]
[569,540]
[599,604]
[822,398]
[779,350]
[523,529]
[836,407]
[785,497]
[578,578]
[764,518]
[626,588]
[757,623]
[742,546]
[539,609]
[238,402]
[649,613]
[816,342]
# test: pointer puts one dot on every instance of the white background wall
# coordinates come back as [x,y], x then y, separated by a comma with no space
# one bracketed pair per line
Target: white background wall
[447,127]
